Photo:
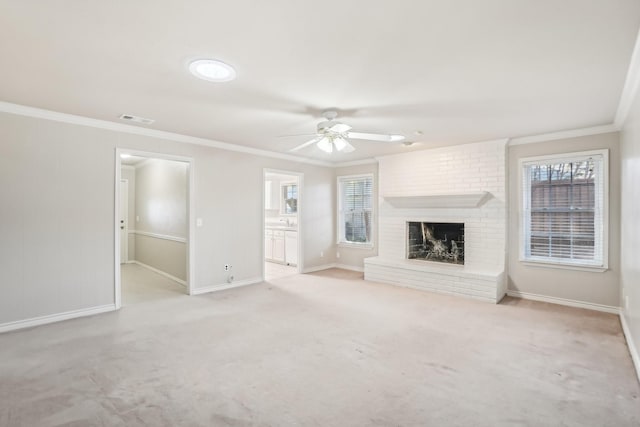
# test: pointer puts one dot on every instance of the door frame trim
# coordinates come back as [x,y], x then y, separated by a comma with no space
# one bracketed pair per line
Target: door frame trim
[126,224]
[117,286]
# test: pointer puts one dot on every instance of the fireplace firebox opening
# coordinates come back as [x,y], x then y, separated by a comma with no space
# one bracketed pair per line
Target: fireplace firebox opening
[436,241]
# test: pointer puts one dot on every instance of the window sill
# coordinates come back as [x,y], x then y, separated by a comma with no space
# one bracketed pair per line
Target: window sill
[368,246]
[559,266]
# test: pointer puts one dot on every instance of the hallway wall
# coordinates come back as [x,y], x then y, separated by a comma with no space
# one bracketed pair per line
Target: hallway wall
[161,205]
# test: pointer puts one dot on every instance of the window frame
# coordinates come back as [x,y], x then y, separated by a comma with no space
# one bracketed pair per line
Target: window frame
[341,223]
[524,221]
[283,207]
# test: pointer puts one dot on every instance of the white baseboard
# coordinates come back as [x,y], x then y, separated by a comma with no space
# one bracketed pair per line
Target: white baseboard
[319,268]
[564,301]
[350,267]
[160,272]
[223,286]
[52,318]
[633,350]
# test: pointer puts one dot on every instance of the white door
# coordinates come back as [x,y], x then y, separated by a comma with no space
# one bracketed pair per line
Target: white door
[123,221]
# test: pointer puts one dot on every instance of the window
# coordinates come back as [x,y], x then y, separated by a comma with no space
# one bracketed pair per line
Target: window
[565,209]
[289,205]
[355,213]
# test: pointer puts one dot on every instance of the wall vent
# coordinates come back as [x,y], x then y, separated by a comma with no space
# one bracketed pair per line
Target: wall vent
[136,119]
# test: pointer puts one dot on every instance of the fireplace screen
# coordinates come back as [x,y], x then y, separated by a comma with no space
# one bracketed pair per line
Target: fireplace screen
[436,241]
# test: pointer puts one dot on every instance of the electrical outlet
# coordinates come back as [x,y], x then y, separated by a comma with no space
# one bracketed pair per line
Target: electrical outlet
[198,222]
[227,267]
[321,254]
[337,254]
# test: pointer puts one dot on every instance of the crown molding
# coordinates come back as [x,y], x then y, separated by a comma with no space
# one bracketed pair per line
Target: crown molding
[40,113]
[504,141]
[630,88]
[573,133]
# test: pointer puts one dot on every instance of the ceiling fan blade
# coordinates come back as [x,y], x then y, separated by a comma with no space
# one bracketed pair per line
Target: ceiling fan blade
[340,128]
[306,144]
[295,134]
[375,137]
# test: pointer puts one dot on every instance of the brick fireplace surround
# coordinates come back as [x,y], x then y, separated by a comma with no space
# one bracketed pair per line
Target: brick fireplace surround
[465,183]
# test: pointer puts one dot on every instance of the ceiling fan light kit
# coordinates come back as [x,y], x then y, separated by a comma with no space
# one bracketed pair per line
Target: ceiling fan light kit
[331,134]
[340,143]
[325,145]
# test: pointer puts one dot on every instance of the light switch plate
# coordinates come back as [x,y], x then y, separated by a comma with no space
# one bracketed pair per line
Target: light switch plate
[198,222]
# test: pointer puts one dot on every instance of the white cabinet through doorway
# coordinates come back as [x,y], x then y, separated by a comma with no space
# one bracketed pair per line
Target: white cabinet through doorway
[291,247]
[278,245]
[281,246]
[274,246]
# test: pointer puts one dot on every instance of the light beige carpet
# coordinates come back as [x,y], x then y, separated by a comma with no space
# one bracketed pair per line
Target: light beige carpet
[324,349]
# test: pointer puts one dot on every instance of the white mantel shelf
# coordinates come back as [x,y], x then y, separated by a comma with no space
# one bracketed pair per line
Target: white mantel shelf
[459,200]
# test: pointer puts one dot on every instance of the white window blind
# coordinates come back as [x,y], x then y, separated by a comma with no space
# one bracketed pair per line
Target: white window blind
[564,211]
[355,209]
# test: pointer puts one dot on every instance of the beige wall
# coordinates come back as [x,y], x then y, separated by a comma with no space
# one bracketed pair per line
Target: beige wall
[630,225]
[57,246]
[349,256]
[129,173]
[161,205]
[161,197]
[584,286]
[162,254]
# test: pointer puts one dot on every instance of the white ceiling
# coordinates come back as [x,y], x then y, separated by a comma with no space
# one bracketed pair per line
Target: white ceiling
[132,160]
[459,71]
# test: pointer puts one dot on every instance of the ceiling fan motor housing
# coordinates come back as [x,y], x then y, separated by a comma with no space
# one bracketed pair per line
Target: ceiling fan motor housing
[331,133]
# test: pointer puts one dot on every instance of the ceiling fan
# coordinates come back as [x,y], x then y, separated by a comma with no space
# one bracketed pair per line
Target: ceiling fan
[333,135]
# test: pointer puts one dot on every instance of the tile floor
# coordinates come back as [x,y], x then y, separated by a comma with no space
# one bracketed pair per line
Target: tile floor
[273,270]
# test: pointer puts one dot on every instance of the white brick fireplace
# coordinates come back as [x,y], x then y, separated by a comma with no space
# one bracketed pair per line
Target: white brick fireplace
[461,184]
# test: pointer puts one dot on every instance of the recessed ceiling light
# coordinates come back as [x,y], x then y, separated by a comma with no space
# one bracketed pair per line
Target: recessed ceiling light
[212,70]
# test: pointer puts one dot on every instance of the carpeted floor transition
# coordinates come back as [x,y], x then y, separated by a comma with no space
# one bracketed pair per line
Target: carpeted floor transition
[322,349]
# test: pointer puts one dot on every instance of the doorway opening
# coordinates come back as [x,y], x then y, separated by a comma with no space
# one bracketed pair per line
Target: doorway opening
[281,220]
[154,226]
